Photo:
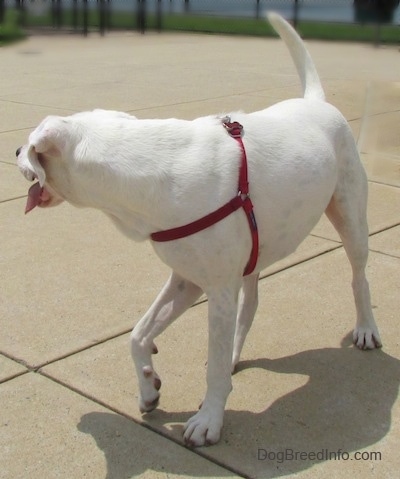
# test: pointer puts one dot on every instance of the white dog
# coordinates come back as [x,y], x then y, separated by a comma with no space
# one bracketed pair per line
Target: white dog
[154,175]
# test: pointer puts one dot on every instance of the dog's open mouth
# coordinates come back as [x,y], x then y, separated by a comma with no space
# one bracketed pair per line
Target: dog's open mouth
[37,196]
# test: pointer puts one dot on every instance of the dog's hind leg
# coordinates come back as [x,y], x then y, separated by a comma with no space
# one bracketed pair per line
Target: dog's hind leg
[247,308]
[205,427]
[175,298]
[347,212]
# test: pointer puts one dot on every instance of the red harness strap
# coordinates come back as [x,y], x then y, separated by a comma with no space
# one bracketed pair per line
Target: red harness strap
[242,200]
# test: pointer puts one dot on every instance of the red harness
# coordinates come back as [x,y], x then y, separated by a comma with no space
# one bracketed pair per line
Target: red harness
[241,200]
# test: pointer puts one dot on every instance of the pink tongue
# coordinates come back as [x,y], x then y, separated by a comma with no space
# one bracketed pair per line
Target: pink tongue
[34,199]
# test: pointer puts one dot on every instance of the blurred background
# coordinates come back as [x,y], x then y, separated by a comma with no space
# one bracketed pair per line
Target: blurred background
[360,20]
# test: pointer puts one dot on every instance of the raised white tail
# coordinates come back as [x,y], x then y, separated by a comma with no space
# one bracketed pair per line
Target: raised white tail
[312,88]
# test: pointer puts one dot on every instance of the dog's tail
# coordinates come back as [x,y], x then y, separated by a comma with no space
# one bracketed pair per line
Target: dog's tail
[312,88]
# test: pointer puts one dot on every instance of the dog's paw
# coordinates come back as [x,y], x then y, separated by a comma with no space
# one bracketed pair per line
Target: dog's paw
[150,396]
[203,429]
[366,338]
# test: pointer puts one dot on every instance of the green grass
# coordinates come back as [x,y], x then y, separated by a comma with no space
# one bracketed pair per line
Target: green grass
[232,26]
[310,30]
[236,26]
[9,29]
[350,32]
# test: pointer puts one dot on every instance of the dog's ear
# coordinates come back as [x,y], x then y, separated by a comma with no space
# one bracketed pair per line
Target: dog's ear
[48,138]
[37,167]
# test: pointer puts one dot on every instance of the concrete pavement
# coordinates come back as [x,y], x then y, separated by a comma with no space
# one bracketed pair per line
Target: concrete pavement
[72,287]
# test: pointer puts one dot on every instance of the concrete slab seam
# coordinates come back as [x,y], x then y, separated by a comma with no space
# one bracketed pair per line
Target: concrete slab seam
[384,229]
[305,260]
[139,423]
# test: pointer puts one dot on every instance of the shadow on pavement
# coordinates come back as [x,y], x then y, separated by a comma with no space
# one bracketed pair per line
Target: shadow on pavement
[345,405]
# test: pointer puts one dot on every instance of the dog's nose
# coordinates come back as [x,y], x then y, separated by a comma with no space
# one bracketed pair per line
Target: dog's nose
[18,152]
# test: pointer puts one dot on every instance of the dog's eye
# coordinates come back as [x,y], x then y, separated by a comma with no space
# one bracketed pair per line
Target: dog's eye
[18,151]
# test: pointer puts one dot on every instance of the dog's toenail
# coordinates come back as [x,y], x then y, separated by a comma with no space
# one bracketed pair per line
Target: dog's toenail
[157,383]
[150,405]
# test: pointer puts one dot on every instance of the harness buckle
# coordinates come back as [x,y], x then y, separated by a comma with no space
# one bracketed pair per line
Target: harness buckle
[235,129]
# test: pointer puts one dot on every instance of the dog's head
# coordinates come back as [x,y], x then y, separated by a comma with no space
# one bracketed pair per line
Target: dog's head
[36,161]
[53,157]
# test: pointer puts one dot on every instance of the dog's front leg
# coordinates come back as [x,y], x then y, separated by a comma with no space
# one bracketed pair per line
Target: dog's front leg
[204,428]
[177,295]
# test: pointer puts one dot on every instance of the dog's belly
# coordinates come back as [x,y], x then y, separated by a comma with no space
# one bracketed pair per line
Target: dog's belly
[284,236]
[291,205]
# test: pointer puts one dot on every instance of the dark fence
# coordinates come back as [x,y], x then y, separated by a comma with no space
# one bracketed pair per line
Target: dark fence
[103,15]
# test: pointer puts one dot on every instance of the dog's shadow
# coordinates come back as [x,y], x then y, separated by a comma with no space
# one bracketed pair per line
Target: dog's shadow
[345,405]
